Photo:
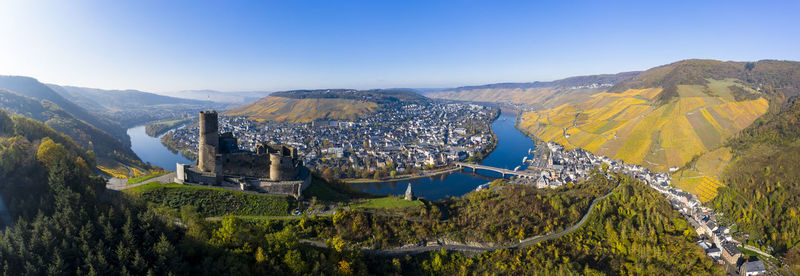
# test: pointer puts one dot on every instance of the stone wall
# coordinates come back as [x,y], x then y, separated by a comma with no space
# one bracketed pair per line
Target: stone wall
[246,165]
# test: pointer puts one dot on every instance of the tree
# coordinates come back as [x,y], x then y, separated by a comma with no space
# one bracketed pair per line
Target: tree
[329,174]
[49,151]
[294,261]
[377,175]
[226,234]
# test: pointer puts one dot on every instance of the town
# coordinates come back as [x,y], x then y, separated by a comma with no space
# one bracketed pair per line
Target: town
[404,139]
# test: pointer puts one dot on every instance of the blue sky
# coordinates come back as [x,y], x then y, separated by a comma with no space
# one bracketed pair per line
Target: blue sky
[279,45]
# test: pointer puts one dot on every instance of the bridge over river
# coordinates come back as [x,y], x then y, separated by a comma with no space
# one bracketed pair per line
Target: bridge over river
[504,172]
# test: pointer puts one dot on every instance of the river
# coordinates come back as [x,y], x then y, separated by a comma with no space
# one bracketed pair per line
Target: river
[512,146]
[150,149]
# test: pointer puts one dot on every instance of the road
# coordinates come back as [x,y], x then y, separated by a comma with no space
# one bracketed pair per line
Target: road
[412,250]
[119,184]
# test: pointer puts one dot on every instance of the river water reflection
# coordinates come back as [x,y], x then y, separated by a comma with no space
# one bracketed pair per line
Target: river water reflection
[150,149]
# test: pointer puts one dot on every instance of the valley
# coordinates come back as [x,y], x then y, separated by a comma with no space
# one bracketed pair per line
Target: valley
[657,141]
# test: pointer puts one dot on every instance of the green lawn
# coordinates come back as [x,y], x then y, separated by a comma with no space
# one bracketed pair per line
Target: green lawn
[387,202]
[212,202]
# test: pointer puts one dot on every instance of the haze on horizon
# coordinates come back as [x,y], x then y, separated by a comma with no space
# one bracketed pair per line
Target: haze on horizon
[232,46]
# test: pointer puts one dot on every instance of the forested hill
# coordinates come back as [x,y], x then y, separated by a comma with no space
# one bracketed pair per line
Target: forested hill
[762,197]
[333,104]
[90,137]
[100,100]
[61,226]
[30,87]
[380,96]
[773,77]
[132,107]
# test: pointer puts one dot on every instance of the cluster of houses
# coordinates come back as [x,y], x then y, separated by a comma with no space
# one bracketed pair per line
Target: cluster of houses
[557,166]
[406,136]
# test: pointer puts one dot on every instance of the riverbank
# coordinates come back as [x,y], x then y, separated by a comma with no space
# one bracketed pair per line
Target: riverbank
[151,150]
[525,131]
[177,148]
[402,178]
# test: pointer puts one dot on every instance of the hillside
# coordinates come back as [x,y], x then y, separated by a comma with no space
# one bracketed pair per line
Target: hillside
[132,107]
[772,77]
[763,182]
[539,94]
[108,149]
[32,88]
[634,231]
[667,115]
[309,105]
[631,126]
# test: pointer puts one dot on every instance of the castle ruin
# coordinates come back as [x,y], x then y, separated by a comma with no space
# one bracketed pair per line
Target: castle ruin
[273,169]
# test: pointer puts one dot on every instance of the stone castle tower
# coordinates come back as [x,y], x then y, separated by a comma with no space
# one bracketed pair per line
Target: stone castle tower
[282,163]
[208,144]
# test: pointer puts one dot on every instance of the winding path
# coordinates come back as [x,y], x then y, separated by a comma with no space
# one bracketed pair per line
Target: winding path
[412,250]
[120,184]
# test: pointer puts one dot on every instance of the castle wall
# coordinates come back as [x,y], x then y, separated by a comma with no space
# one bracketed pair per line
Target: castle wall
[246,164]
[208,143]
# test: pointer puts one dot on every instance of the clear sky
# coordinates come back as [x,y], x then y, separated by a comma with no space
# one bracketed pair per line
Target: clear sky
[279,45]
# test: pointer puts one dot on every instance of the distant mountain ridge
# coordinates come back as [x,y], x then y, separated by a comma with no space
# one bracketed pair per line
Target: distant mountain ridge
[300,106]
[31,87]
[602,79]
[111,100]
[236,97]
[534,94]
[770,76]
[374,95]
[132,107]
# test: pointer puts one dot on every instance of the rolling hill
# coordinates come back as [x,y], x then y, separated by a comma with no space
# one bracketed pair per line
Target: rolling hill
[30,98]
[110,151]
[537,94]
[132,107]
[676,115]
[32,88]
[308,105]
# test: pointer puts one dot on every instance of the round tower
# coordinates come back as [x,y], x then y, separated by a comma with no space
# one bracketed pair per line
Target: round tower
[208,143]
[275,172]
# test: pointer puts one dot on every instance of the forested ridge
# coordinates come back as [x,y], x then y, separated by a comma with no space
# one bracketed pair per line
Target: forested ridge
[86,135]
[772,77]
[762,196]
[503,214]
[633,232]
